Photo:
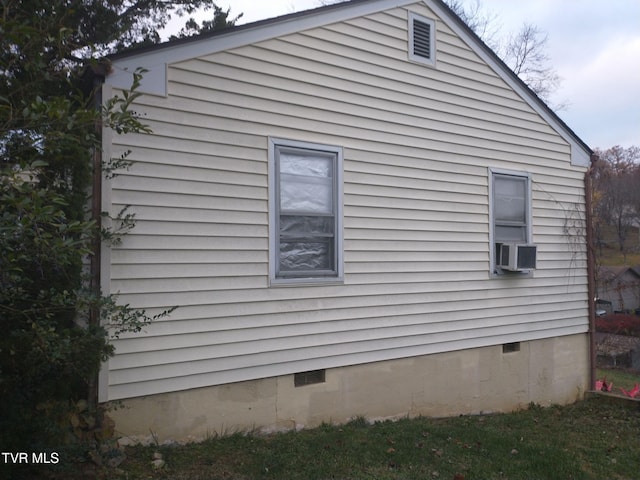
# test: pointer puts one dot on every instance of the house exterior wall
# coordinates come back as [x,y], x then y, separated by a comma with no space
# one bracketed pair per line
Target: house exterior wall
[479,380]
[418,145]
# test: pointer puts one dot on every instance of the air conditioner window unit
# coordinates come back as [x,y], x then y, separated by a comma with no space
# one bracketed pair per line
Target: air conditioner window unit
[517,257]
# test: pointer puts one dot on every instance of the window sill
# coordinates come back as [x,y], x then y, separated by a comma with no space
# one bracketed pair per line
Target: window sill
[499,273]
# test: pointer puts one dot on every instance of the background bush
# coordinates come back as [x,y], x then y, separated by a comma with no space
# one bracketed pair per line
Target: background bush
[619,324]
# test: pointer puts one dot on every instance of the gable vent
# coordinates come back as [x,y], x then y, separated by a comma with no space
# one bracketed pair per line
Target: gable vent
[421,39]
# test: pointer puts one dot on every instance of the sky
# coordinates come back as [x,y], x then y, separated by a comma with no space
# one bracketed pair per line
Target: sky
[593,45]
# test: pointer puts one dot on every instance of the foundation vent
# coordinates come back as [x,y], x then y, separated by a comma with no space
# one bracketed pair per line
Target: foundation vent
[511,347]
[309,378]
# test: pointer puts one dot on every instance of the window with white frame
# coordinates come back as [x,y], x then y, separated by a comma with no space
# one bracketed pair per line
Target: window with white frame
[305,213]
[510,210]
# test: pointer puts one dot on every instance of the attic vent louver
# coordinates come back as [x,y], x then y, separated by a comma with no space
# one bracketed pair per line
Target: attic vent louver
[421,39]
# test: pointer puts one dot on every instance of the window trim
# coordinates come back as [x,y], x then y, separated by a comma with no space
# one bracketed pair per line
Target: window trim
[493,172]
[274,201]
[431,61]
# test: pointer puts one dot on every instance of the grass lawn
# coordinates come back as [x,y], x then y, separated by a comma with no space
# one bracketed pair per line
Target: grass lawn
[593,439]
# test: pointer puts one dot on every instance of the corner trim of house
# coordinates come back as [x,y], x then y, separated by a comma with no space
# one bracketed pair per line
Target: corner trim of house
[105,251]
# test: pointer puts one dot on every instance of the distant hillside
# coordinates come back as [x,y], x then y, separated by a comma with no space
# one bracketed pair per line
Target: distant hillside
[609,253]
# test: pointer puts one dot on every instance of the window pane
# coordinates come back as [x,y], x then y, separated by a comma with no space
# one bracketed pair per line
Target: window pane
[306,182]
[296,225]
[307,165]
[306,254]
[510,199]
[306,212]
[510,234]
[306,194]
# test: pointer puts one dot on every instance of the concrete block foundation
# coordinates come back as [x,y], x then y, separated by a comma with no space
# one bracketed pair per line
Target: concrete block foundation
[474,381]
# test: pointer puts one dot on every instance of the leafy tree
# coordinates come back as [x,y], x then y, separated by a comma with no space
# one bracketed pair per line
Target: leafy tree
[50,58]
[219,21]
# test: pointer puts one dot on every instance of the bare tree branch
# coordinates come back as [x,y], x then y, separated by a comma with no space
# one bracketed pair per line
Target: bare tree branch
[484,24]
[525,52]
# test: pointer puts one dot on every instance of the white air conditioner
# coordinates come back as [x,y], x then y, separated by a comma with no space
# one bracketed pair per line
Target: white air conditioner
[517,257]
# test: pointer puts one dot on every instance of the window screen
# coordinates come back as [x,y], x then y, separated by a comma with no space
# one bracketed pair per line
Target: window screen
[510,208]
[307,212]
[510,213]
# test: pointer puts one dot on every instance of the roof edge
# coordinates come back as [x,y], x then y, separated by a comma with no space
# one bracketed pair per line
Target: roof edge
[516,82]
[155,59]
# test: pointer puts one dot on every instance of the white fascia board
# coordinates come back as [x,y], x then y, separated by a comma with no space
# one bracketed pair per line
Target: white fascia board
[155,62]
[579,156]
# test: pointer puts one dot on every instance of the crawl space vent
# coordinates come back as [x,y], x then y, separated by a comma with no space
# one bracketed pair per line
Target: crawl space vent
[309,378]
[511,347]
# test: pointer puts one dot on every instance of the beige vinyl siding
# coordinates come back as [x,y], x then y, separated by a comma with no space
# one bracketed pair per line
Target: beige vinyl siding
[418,142]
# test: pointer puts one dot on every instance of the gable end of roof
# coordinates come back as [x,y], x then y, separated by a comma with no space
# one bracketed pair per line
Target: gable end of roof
[155,59]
